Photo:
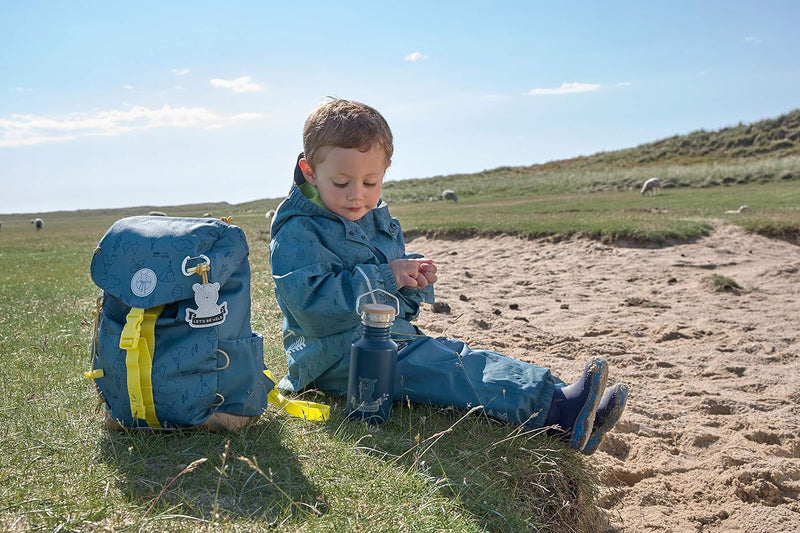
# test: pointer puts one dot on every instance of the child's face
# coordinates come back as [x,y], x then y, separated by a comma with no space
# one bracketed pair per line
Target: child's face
[349,181]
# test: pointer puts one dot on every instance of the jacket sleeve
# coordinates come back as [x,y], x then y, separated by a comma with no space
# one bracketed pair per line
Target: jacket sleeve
[314,287]
[410,300]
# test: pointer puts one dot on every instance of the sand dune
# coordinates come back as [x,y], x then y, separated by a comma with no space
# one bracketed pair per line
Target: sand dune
[711,437]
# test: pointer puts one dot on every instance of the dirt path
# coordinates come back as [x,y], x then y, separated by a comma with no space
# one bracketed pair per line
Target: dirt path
[711,437]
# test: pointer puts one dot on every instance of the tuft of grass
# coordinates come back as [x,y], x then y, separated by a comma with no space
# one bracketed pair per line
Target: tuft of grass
[720,283]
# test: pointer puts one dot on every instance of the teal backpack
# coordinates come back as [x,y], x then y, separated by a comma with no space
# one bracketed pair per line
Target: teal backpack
[173,345]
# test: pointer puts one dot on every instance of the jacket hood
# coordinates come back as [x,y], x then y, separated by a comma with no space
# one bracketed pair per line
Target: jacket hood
[296,204]
[299,179]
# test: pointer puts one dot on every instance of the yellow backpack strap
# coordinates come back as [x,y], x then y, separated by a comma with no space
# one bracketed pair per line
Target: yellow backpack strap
[138,340]
[297,408]
[146,364]
[95,373]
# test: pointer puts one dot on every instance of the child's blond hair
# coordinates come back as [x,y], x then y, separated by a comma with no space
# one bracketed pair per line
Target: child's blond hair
[345,124]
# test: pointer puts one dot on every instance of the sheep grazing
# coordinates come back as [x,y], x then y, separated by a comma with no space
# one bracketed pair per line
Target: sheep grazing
[742,209]
[652,186]
[1,225]
[447,194]
[270,213]
[208,215]
[38,223]
[156,214]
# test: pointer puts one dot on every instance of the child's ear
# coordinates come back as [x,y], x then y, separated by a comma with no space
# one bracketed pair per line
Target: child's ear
[308,174]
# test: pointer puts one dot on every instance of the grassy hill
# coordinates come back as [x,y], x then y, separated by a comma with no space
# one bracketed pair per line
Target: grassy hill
[778,137]
[764,151]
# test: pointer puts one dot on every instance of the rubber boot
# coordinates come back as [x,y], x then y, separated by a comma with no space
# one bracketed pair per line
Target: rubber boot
[612,404]
[573,406]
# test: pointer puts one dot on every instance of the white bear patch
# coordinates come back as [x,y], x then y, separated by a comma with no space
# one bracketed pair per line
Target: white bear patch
[208,312]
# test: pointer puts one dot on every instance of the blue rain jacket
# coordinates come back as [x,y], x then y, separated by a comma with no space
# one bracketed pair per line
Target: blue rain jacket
[321,263]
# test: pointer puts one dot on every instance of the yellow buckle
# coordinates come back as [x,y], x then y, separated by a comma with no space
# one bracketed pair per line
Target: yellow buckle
[129,338]
[94,374]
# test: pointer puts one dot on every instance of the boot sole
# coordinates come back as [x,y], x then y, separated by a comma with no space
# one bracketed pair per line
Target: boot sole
[596,438]
[582,428]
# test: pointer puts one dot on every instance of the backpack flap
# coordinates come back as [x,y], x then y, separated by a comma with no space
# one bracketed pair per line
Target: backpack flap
[143,260]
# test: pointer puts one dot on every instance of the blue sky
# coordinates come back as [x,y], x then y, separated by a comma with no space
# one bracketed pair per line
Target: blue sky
[113,104]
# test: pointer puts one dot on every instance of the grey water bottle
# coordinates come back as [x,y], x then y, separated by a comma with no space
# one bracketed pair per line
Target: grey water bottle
[373,362]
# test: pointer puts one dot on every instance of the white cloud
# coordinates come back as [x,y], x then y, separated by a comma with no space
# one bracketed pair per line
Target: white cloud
[26,130]
[566,88]
[20,89]
[128,87]
[180,71]
[414,56]
[239,85]
[753,40]
[247,116]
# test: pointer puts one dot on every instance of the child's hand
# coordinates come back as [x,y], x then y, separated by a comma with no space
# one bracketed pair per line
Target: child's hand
[427,270]
[405,272]
[413,273]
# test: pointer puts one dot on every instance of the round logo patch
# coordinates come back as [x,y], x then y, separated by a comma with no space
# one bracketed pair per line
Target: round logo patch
[143,282]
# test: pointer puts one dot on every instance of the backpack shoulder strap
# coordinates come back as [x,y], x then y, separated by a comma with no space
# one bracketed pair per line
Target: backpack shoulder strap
[138,340]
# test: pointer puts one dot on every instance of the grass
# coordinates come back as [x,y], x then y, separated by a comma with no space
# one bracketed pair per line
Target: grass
[676,215]
[720,283]
[543,180]
[427,469]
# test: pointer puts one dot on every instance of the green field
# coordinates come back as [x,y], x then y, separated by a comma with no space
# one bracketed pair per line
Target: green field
[427,469]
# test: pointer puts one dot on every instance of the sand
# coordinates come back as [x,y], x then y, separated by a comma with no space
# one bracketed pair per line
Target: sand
[710,440]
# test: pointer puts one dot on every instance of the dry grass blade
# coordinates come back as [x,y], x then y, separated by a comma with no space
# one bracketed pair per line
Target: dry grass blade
[189,468]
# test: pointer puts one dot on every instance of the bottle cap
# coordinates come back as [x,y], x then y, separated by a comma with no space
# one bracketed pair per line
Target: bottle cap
[378,315]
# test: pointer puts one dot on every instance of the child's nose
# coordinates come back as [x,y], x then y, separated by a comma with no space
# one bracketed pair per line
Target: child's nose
[356,192]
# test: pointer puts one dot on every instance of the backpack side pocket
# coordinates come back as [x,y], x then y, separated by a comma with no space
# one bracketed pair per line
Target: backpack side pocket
[241,376]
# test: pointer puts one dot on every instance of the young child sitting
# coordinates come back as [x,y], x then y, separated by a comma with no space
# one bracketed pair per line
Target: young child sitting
[333,240]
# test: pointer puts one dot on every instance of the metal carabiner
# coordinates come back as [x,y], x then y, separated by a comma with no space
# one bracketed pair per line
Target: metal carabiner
[193,270]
